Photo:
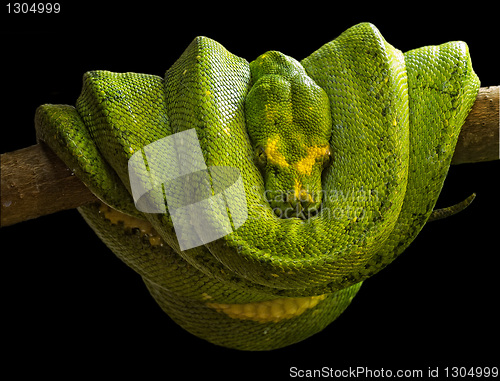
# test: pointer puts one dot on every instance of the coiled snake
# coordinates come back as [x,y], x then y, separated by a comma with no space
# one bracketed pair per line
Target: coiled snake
[342,157]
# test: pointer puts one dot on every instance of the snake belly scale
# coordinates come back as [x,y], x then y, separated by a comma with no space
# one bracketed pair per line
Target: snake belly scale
[342,157]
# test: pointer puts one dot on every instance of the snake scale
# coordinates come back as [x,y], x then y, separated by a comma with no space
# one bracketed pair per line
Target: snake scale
[342,157]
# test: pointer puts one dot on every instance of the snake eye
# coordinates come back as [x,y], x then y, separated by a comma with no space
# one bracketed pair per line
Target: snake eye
[260,157]
[327,158]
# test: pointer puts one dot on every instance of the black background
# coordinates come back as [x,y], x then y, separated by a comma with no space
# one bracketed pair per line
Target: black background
[70,307]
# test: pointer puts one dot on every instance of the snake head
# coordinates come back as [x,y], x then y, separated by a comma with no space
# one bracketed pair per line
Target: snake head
[289,122]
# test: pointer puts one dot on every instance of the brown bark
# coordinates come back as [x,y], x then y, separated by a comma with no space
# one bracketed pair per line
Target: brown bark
[478,140]
[35,182]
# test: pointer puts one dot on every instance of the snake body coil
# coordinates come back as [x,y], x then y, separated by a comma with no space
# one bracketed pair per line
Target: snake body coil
[342,157]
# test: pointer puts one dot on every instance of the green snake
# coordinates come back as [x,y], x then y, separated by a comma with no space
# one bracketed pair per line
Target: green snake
[342,157]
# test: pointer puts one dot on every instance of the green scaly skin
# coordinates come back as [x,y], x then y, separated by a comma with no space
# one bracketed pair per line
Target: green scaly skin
[342,156]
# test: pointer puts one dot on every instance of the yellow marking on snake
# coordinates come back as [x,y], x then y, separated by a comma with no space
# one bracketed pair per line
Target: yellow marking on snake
[304,165]
[269,311]
[272,153]
[115,217]
[297,189]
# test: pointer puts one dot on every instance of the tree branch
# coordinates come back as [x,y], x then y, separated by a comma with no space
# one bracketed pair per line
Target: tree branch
[35,182]
[478,140]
